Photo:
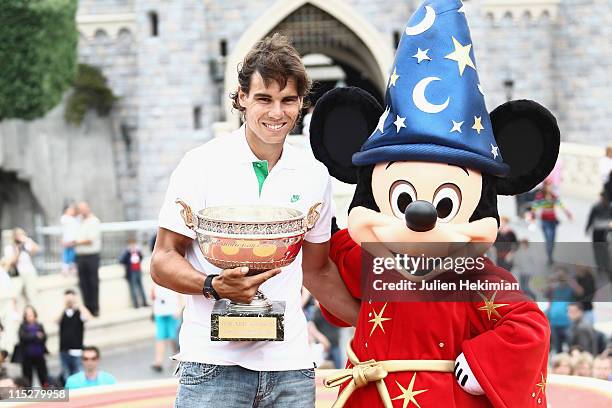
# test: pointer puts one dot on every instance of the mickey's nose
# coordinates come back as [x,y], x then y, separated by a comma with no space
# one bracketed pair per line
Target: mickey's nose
[421,216]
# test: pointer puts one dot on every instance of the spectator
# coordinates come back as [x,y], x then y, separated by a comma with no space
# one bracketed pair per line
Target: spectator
[581,333]
[319,344]
[71,331]
[88,246]
[131,259]
[608,187]
[560,294]
[306,122]
[598,223]
[585,291]
[506,244]
[332,333]
[19,254]
[70,227]
[605,164]
[524,264]
[166,310]
[583,364]
[11,318]
[546,202]
[602,368]
[5,279]
[90,376]
[3,359]
[32,348]
[562,364]
[307,301]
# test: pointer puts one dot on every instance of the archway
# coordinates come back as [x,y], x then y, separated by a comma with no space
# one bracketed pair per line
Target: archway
[18,205]
[328,27]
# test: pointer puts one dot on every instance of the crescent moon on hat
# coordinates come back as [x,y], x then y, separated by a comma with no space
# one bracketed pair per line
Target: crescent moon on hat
[418,96]
[425,24]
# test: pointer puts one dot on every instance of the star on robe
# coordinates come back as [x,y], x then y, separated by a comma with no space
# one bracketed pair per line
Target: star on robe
[408,394]
[478,124]
[490,306]
[399,123]
[393,79]
[421,56]
[382,120]
[461,55]
[494,151]
[378,319]
[456,126]
[541,385]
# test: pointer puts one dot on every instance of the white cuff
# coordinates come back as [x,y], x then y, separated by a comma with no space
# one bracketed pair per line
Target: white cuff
[465,377]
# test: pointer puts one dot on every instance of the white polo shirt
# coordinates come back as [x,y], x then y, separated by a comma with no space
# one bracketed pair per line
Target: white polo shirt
[221,172]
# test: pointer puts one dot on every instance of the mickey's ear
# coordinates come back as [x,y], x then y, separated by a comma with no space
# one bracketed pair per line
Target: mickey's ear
[342,120]
[528,137]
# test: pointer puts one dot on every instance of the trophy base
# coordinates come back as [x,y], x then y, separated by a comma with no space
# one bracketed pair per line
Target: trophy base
[229,324]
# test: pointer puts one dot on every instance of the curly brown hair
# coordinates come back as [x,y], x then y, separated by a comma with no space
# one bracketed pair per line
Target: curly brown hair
[276,60]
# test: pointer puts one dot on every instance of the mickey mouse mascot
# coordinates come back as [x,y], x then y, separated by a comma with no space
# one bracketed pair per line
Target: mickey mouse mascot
[428,169]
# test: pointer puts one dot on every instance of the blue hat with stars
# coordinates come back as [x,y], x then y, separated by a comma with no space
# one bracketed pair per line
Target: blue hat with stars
[435,109]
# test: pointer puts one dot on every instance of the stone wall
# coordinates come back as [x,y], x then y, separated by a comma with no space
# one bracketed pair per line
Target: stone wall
[62,163]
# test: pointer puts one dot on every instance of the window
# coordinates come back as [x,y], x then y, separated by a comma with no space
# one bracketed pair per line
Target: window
[223,48]
[197,117]
[154,23]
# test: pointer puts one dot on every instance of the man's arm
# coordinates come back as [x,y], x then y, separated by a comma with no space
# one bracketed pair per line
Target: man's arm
[322,279]
[170,269]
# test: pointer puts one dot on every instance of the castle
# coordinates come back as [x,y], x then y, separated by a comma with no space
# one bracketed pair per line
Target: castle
[173,65]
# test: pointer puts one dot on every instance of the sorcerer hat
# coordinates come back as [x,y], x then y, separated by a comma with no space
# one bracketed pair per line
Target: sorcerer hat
[435,109]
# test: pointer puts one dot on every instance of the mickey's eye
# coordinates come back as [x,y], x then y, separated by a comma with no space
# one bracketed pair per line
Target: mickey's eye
[401,195]
[447,201]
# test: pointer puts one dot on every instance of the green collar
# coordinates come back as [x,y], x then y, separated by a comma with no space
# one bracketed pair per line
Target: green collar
[261,172]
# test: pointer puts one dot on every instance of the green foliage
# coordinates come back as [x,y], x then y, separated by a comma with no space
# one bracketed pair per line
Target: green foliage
[90,92]
[38,54]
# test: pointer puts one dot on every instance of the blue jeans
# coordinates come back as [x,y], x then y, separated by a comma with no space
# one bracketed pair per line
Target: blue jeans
[208,385]
[70,364]
[136,289]
[549,228]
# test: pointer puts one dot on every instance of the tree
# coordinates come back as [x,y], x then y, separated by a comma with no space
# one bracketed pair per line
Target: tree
[38,55]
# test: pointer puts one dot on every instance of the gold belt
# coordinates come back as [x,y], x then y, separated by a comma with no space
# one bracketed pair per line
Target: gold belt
[364,372]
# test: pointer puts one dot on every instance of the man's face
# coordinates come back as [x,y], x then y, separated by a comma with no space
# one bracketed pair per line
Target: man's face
[69,300]
[270,112]
[83,209]
[574,313]
[90,360]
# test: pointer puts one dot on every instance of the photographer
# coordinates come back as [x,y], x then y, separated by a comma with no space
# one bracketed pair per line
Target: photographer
[19,254]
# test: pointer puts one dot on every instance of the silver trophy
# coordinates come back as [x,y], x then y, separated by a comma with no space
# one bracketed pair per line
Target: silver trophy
[260,238]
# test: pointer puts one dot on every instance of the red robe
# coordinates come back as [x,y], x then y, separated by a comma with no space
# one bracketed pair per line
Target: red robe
[508,353]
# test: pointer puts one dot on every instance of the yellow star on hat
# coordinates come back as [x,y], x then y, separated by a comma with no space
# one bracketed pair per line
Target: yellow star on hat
[394,77]
[478,124]
[461,55]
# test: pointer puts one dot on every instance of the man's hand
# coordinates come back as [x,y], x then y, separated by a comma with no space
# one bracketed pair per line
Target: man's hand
[233,284]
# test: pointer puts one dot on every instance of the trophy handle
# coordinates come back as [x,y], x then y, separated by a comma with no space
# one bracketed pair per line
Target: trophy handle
[187,214]
[313,215]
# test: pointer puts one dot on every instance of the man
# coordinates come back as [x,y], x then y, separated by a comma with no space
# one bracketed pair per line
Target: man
[91,376]
[252,166]
[71,331]
[599,223]
[87,247]
[581,333]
